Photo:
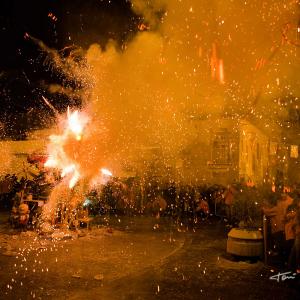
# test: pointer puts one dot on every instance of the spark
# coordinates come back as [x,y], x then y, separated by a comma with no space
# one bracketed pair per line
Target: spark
[74,179]
[143,27]
[52,17]
[106,172]
[50,105]
[58,158]
[75,124]
[221,71]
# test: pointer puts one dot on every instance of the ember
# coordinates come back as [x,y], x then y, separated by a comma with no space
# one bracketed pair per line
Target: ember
[150,149]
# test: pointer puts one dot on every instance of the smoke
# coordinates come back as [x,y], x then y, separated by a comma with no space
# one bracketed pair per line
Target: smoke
[191,59]
[257,41]
[151,11]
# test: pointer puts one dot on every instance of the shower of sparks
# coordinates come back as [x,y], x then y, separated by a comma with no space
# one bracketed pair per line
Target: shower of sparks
[72,134]
[58,157]
[106,172]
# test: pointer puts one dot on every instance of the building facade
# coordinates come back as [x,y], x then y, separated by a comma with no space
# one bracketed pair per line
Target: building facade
[227,151]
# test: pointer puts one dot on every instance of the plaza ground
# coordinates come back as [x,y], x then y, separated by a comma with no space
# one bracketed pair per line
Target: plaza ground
[132,258]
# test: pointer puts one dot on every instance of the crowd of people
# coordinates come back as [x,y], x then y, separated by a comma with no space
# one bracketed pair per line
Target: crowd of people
[184,202]
[187,204]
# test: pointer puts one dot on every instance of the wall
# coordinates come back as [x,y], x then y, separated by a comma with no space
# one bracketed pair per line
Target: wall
[14,153]
[254,153]
[201,163]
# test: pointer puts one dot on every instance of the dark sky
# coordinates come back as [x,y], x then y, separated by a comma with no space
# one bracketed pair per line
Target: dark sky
[246,33]
[58,23]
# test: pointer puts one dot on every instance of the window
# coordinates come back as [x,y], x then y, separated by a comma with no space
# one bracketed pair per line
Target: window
[220,147]
[294,151]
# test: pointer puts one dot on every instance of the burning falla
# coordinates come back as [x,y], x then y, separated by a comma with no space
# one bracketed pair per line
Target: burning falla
[58,156]
[65,151]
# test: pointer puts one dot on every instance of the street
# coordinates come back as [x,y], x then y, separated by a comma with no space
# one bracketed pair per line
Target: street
[133,258]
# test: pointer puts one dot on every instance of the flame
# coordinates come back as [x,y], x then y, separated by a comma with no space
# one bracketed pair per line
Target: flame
[74,179]
[68,169]
[106,172]
[61,155]
[58,158]
[51,162]
[74,124]
[102,178]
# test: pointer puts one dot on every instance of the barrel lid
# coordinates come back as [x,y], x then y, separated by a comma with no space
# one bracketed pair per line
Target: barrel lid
[245,234]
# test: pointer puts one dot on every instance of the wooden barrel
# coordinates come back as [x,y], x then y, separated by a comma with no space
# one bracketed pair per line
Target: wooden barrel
[245,242]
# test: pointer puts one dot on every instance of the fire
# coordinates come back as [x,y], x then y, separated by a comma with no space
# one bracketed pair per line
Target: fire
[106,172]
[102,178]
[75,125]
[74,179]
[66,161]
[50,162]
[67,170]
[58,157]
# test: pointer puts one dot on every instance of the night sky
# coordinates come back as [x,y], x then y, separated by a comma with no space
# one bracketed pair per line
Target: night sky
[24,73]
[255,44]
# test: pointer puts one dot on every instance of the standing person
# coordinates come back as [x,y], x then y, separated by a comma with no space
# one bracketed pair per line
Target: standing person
[277,215]
[184,207]
[202,208]
[294,259]
[289,228]
[159,206]
[197,199]
[228,200]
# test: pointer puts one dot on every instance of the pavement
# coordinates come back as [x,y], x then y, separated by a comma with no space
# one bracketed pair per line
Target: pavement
[132,258]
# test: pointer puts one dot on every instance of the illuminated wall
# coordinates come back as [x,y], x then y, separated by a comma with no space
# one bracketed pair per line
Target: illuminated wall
[253,154]
[225,151]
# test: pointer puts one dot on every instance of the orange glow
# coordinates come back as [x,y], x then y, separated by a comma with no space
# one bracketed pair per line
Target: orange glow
[74,179]
[75,125]
[64,151]
[200,52]
[52,17]
[213,61]
[259,64]
[106,172]
[216,65]
[58,157]
[143,27]
[50,163]
[221,72]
